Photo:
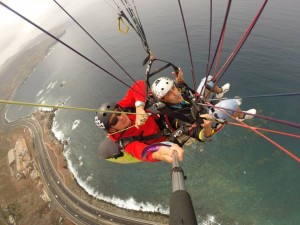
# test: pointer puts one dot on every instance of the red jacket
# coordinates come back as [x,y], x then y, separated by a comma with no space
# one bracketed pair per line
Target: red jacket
[149,128]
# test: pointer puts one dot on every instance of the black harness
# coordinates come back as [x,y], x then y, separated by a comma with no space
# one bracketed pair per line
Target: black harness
[188,115]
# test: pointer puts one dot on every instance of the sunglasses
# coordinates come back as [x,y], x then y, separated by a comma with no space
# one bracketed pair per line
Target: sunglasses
[115,119]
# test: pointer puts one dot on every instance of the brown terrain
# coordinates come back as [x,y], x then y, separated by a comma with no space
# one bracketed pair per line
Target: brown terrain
[20,199]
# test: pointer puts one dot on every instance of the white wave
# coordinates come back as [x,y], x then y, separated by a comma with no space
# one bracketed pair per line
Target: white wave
[89,178]
[62,103]
[129,203]
[45,109]
[49,53]
[57,133]
[30,74]
[75,124]
[80,161]
[40,92]
[132,204]
[67,152]
[210,220]
[5,117]
[67,99]
[51,85]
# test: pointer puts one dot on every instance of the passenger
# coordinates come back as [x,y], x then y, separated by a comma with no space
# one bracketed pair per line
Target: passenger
[177,101]
[133,137]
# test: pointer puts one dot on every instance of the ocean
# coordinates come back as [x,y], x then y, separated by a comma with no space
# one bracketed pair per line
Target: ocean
[239,177]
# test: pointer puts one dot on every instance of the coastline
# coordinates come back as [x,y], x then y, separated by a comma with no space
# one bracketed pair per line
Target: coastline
[55,150]
[12,77]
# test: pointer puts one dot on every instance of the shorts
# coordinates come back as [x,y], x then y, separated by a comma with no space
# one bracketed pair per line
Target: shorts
[228,105]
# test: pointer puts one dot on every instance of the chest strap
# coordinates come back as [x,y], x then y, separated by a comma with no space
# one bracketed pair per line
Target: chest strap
[123,142]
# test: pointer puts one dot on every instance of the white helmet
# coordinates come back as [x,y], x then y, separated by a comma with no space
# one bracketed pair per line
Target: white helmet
[161,86]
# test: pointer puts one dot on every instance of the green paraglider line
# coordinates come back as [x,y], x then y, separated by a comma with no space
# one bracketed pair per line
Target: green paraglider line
[59,107]
[46,106]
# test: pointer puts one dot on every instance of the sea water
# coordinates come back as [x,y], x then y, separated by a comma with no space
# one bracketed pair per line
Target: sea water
[239,177]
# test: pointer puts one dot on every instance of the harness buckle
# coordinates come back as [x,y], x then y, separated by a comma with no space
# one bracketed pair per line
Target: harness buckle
[178,133]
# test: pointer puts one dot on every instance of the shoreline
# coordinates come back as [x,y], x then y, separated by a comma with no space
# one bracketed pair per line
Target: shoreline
[55,151]
[11,78]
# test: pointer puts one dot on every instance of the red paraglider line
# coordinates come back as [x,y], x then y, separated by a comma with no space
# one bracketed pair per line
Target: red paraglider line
[267,130]
[262,135]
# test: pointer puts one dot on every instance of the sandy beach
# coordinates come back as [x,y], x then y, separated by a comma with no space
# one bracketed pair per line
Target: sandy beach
[11,77]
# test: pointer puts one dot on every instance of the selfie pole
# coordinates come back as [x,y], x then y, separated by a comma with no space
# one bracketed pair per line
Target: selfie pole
[181,206]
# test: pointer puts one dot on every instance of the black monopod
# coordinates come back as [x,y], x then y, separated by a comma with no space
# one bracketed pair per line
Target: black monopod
[181,206]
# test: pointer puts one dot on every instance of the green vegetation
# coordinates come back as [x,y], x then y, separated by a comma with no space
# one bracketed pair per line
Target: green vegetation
[13,210]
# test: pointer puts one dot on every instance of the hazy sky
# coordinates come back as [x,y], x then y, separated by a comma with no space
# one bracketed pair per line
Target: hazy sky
[15,31]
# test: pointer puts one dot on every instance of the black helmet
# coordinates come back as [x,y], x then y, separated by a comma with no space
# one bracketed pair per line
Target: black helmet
[109,149]
[102,117]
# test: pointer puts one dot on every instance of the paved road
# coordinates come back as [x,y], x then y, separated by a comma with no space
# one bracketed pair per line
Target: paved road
[79,211]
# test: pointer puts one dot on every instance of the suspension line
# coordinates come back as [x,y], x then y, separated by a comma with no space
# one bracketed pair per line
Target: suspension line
[95,41]
[68,46]
[189,47]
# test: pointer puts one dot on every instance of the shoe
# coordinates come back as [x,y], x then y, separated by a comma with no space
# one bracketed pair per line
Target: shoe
[225,88]
[238,101]
[247,116]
